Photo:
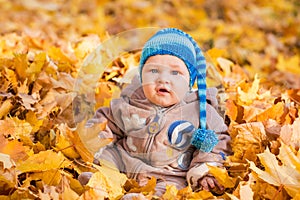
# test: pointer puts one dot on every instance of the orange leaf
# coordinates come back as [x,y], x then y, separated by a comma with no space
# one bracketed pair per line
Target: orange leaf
[5,107]
[15,149]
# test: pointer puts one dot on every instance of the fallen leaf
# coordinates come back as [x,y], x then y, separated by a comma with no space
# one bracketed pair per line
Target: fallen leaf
[247,140]
[86,139]
[279,175]
[222,176]
[289,133]
[40,162]
[6,161]
[5,108]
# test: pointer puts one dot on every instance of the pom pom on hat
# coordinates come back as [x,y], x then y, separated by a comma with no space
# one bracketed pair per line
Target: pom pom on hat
[172,41]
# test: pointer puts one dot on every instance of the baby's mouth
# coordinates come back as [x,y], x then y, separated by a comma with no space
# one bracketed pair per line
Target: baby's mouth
[162,90]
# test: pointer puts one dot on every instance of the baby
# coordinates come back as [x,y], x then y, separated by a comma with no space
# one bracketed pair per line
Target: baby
[161,126]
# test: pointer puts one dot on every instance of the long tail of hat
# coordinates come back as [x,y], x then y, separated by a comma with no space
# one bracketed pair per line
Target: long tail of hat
[203,139]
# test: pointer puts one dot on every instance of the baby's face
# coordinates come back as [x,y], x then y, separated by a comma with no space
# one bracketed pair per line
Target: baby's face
[165,80]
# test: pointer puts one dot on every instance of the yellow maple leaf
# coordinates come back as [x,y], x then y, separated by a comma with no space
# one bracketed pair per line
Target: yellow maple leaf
[43,161]
[64,145]
[20,64]
[49,177]
[86,140]
[68,193]
[32,119]
[171,192]
[108,180]
[131,186]
[5,107]
[279,175]
[289,64]
[252,93]
[36,66]
[104,92]
[287,155]
[222,176]
[64,63]
[11,77]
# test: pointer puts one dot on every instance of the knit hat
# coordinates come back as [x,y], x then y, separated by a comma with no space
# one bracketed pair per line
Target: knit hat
[172,41]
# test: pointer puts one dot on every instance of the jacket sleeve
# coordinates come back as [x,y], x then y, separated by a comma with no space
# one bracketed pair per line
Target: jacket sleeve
[216,157]
[105,115]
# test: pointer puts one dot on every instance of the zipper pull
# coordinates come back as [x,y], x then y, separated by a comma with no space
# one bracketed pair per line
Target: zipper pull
[154,127]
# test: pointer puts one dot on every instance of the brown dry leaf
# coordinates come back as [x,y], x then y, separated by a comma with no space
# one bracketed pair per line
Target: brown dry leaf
[8,181]
[6,161]
[246,191]
[48,193]
[294,94]
[28,101]
[23,87]
[289,133]
[279,175]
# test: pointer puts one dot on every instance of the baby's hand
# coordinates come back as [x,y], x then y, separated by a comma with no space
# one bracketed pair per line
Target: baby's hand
[211,184]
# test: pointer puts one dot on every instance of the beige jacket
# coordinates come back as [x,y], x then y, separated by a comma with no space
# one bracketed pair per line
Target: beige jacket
[141,152]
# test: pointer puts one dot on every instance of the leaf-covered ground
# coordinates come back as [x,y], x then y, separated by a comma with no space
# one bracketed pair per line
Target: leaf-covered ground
[254,47]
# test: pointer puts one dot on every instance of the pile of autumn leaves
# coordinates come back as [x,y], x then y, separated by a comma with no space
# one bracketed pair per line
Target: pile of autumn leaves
[42,150]
[42,153]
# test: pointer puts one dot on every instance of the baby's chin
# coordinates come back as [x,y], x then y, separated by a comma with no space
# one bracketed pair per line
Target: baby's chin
[165,104]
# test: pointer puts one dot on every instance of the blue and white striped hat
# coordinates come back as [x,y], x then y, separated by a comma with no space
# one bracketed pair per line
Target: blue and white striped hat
[172,41]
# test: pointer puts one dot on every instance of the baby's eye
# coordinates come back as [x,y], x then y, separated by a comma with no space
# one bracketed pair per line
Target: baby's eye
[175,72]
[154,71]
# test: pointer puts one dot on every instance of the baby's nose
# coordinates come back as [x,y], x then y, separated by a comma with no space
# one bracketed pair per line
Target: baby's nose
[164,78]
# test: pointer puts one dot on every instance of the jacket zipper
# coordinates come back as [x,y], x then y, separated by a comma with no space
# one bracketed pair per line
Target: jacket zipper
[150,139]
